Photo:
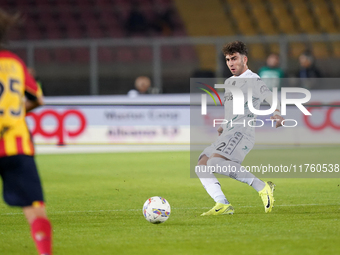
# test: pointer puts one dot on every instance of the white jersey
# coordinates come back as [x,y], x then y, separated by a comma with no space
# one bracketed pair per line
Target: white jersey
[244,123]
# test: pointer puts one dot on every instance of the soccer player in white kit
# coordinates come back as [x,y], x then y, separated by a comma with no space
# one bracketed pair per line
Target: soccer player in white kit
[235,139]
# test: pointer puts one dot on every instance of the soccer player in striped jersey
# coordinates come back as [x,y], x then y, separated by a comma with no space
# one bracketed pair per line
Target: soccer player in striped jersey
[20,93]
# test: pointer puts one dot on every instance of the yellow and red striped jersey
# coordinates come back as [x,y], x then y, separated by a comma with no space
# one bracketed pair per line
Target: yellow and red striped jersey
[15,81]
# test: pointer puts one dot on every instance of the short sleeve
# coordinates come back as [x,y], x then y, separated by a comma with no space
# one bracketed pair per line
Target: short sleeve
[31,86]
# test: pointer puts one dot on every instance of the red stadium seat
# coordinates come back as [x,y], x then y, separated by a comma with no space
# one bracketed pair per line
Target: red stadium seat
[74,33]
[105,54]
[107,16]
[124,54]
[144,53]
[34,35]
[15,35]
[81,55]
[53,18]
[95,32]
[114,32]
[54,34]
[62,55]
[168,53]
[42,56]
[187,53]
[102,2]
[58,19]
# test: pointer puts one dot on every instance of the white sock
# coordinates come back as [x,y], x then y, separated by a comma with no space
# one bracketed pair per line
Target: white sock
[211,185]
[235,171]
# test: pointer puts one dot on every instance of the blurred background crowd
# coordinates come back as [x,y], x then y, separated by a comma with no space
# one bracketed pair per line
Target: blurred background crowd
[100,47]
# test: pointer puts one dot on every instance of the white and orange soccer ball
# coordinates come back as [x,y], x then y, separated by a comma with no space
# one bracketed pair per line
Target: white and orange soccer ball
[156,210]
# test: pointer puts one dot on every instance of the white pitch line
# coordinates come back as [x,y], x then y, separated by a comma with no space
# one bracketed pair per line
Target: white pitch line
[176,208]
[53,149]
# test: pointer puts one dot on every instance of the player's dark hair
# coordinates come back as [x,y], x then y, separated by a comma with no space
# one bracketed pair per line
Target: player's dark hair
[7,21]
[308,54]
[235,47]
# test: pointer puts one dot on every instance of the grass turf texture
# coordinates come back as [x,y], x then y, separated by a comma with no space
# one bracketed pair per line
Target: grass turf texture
[95,204]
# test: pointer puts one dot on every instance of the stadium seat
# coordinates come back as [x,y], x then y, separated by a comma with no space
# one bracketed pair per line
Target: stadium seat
[168,53]
[231,2]
[257,51]
[304,17]
[274,48]
[337,8]
[22,3]
[327,24]
[105,54]
[74,32]
[62,55]
[263,19]
[54,34]
[81,55]
[42,56]
[320,50]
[144,54]
[179,32]
[34,35]
[114,32]
[283,18]
[307,25]
[245,25]
[107,17]
[336,49]
[102,2]
[83,3]
[124,54]
[16,34]
[94,32]
[295,49]
[298,2]
[87,14]
[187,53]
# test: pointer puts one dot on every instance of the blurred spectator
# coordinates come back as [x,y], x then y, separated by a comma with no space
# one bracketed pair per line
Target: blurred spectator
[142,85]
[272,73]
[308,70]
[136,22]
[164,22]
[307,66]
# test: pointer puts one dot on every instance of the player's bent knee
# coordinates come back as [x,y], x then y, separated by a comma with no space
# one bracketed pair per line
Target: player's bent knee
[213,161]
[203,160]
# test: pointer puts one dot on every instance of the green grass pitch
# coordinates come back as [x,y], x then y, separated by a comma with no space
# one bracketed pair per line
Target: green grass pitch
[95,204]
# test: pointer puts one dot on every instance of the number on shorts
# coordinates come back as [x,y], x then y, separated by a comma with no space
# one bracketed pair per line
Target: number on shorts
[220,146]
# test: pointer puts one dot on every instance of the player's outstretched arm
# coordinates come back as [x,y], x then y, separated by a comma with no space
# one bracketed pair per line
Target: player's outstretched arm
[220,130]
[277,114]
[278,118]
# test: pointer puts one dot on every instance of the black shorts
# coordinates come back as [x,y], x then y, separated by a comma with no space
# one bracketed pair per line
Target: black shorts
[21,182]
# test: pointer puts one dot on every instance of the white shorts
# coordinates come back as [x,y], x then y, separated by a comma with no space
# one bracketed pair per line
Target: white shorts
[234,146]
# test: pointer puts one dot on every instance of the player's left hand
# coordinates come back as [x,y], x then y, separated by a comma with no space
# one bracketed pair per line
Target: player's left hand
[220,131]
[278,120]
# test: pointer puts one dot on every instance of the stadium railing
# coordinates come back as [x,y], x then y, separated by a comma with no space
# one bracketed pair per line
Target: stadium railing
[156,44]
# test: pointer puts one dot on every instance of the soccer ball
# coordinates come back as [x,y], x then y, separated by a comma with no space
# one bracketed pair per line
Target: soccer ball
[156,210]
